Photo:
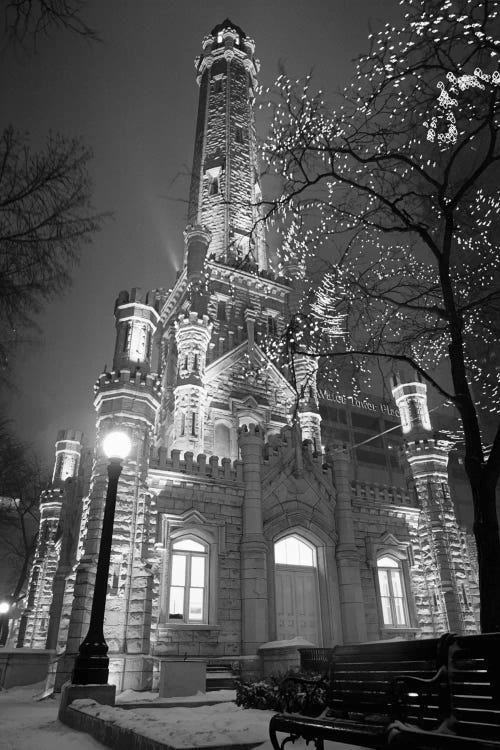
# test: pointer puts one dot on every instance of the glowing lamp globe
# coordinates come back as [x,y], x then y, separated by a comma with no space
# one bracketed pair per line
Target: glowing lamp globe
[117,445]
[4,608]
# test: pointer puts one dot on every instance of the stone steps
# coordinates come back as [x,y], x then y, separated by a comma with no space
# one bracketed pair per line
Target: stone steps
[219,677]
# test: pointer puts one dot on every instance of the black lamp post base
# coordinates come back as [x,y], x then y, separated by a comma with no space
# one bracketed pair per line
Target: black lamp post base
[92,663]
[90,670]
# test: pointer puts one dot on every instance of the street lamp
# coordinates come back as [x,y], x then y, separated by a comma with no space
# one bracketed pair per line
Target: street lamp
[4,621]
[91,665]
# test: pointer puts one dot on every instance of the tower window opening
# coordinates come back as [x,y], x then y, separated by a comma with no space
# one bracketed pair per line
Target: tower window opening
[221,310]
[213,186]
[115,579]
[272,325]
[217,85]
[126,337]
[185,362]
[464,595]
[195,363]
[238,134]
[219,38]
[183,424]
[193,424]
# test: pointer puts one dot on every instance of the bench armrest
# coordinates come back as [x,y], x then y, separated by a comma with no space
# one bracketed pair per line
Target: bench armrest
[401,687]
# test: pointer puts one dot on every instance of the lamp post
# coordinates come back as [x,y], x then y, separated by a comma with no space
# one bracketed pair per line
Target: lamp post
[92,662]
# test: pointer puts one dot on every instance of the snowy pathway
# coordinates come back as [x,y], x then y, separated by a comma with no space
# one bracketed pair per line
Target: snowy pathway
[26,724]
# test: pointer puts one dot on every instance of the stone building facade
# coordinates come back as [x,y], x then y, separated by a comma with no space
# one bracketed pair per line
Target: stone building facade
[237,525]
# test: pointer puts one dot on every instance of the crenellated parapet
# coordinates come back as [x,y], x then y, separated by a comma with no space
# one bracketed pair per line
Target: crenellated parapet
[136,320]
[375,493]
[128,391]
[428,457]
[202,466]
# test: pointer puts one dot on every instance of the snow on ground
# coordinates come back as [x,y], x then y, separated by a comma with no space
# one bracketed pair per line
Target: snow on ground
[31,725]
[26,724]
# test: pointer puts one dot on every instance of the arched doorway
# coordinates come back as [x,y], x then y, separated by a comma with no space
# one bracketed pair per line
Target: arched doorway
[297,607]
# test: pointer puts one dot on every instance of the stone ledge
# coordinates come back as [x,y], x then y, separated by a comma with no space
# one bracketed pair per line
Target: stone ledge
[114,736]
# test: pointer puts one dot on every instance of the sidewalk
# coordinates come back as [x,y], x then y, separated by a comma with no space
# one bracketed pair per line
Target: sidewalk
[26,724]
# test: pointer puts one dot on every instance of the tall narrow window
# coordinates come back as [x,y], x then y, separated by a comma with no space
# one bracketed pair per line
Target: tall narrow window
[213,186]
[183,423]
[188,581]
[238,134]
[126,337]
[272,325]
[392,592]
[221,310]
[193,423]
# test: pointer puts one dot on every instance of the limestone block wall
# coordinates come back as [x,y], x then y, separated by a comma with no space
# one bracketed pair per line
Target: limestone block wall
[203,497]
[388,518]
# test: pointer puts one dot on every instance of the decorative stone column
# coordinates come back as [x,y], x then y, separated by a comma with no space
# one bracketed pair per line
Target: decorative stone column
[351,594]
[253,545]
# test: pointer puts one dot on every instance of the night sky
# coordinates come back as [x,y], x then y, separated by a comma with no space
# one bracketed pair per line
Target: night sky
[133,99]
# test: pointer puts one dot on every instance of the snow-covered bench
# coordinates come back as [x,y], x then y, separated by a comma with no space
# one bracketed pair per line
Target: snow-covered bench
[360,698]
[472,710]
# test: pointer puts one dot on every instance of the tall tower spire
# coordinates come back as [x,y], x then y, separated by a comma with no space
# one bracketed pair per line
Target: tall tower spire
[225,189]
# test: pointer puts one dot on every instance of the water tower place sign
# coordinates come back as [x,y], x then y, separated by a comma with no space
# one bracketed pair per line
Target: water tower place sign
[359,402]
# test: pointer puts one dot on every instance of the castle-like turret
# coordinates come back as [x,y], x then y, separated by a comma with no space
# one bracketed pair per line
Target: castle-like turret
[442,542]
[35,620]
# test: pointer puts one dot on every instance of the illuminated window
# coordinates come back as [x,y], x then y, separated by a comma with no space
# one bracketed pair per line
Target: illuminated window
[292,550]
[392,592]
[188,581]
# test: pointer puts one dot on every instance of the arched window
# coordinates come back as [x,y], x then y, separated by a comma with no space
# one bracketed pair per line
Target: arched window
[187,599]
[392,592]
[292,550]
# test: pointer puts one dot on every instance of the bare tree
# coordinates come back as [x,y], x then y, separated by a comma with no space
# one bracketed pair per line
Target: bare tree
[397,183]
[28,20]
[21,483]
[45,217]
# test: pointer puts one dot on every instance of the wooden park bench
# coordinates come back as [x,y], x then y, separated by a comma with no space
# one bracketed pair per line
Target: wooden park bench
[358,689]
[472,710]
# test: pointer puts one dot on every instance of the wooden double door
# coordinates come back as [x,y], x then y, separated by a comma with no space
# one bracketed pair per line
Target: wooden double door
[297,605]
